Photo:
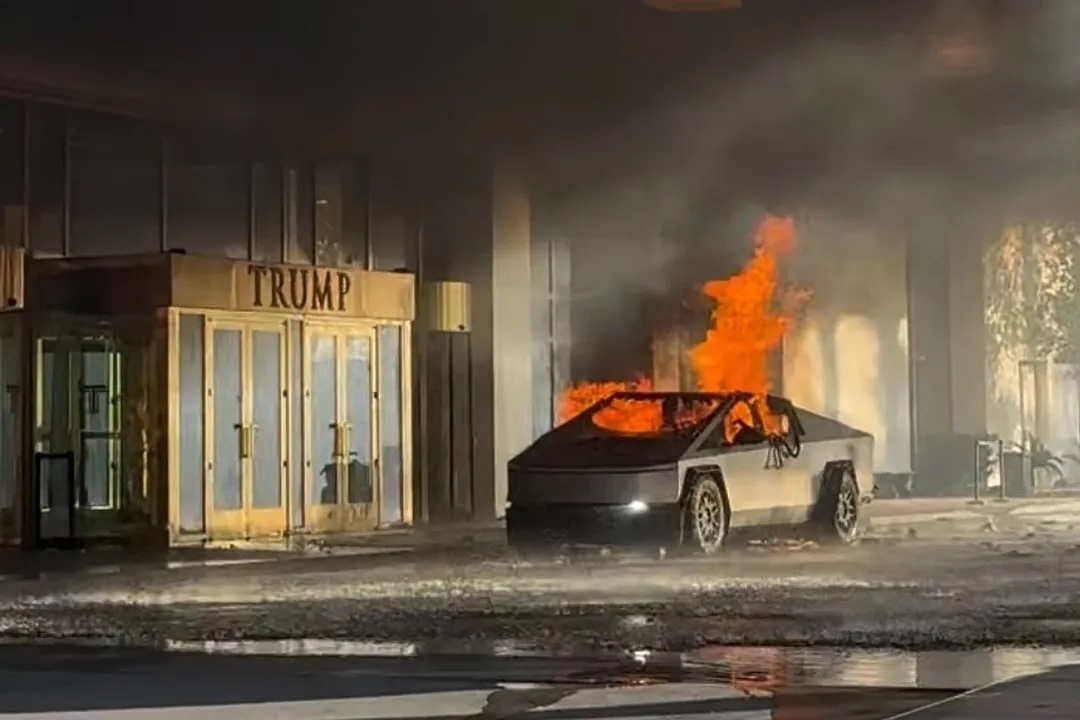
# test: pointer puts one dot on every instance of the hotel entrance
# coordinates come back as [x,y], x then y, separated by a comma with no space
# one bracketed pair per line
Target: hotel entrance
[201,400]
[246,427]
[80,398]
[341,409]
[94,440]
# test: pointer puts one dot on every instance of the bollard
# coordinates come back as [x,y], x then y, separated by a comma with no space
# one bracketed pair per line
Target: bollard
[976,477]
[1001,470]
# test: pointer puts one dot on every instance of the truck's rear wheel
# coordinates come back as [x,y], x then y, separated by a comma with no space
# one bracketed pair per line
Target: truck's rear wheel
[706,516]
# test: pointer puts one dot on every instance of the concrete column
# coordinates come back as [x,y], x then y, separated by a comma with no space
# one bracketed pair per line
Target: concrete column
[967,335]
[667,359]
[511,323]
[929,334]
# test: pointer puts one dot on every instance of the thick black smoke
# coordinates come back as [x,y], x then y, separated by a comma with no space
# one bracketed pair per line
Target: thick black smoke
[909,115]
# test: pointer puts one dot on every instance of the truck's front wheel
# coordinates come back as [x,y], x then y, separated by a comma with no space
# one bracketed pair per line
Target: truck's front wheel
[706,516]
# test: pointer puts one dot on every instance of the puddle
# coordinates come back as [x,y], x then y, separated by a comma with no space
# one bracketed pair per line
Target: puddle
[763,668]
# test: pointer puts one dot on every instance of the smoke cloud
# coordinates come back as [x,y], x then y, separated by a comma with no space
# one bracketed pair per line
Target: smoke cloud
[908,117]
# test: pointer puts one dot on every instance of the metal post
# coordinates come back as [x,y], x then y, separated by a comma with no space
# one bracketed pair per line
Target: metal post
[72,504]
[976,498]
[1001,469]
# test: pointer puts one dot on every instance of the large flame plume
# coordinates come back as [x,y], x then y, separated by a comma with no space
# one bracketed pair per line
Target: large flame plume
[751,314]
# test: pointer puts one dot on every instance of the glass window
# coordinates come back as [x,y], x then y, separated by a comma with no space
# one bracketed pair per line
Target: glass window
[46,157]
[115,167]
[208,186]
[340,214]
[392,235]
[267,178]
[300,213]
[11,172]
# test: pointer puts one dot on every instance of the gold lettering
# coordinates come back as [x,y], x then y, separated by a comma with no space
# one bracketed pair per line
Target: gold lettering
[321,299]
[277,288]
[344,285]
[257,272]
[298,288]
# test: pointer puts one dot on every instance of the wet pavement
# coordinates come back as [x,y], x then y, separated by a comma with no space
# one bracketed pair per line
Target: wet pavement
[858,628]
[322,680]
[913,593]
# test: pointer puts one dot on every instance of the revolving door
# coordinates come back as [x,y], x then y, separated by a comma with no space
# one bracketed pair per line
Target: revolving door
[95,432]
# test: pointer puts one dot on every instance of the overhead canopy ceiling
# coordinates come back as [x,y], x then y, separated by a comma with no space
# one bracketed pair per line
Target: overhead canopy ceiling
[363,73]
[693,5]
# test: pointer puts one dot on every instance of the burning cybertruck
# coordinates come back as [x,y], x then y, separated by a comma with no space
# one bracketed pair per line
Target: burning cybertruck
[670,470]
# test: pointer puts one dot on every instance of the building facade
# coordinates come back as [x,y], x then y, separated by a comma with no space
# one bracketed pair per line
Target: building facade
[196,345]
[346,308]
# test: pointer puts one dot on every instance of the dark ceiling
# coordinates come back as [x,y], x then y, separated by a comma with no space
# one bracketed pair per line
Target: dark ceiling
[363,71]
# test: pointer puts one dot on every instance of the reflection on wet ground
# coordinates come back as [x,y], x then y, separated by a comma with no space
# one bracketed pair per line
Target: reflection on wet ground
[715,681]
[768,666]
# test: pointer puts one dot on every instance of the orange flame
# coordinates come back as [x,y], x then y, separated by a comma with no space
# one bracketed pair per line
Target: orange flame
[749,320]
[619,416]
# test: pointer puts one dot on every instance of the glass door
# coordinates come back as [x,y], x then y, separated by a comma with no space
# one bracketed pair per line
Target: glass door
[358,405]
[246,405]
[339,408]
[79,396]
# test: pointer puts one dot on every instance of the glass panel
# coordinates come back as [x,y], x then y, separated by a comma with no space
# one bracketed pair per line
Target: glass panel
[228,491]
[300,214]
[99,393]
[390,427]
[266,417]
[46,157]
[139,426]
[392,237]
[324,419]
[115,186]
[209,197]
[9,419]
[329,224]
[11,172]
[192,421]
[268,180]
[55,473]
[358,416]
[340,215]
[56,393]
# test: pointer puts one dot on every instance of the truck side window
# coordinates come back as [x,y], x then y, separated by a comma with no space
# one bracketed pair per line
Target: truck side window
[740,425]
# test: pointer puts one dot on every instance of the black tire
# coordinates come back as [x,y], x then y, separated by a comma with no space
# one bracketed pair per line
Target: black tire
[838,520]
[706,517]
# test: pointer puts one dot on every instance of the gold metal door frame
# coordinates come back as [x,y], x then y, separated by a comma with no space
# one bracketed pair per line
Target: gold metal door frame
[245,521]
[341,516]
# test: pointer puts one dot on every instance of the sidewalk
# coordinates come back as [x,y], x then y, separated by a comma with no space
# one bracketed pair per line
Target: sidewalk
[472,539]
[912,511]
[482,539]
[1053,694]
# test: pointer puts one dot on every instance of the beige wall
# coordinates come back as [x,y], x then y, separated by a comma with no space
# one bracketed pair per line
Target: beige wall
[848,356]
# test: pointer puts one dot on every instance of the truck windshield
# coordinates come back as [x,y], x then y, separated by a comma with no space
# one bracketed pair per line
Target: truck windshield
[652,416]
